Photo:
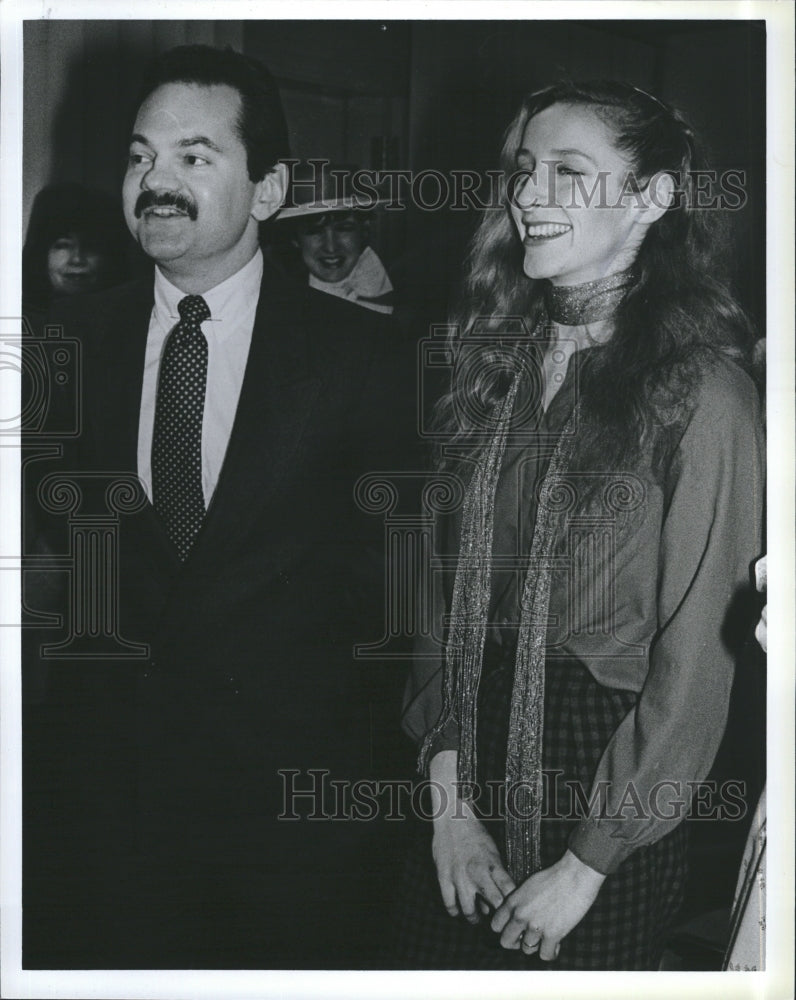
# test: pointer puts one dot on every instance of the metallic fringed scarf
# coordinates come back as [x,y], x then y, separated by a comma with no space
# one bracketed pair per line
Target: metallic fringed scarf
[526,719]
[464,652]
[465,647]
[471,595]
[576,305]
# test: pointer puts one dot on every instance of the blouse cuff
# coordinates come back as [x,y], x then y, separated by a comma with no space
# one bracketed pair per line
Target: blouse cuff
[448,739]
[597,848]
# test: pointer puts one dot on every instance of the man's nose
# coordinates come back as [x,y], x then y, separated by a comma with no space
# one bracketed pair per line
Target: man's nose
[160,177]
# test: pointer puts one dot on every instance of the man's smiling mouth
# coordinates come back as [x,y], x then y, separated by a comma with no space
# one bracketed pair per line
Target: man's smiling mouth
[164,212]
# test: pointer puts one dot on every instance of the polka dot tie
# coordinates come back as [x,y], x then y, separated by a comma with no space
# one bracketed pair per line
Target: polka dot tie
[177,437]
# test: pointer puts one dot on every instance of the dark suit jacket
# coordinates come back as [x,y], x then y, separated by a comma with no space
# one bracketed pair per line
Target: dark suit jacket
[178,758]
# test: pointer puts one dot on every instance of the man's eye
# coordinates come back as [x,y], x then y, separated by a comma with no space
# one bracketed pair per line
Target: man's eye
[136,159]
[62,244]
[193,160]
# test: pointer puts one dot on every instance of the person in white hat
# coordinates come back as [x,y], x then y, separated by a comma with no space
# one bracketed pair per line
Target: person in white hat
[330,228]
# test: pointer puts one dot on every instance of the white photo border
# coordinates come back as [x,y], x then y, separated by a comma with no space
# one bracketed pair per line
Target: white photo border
[777,980]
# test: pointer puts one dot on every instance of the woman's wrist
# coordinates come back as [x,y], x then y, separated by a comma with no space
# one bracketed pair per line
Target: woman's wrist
[442,772]
[571,865]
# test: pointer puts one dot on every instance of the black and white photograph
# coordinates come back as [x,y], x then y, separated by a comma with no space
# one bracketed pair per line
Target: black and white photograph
[397,412]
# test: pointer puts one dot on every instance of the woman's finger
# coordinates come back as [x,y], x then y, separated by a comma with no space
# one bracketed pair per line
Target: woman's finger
[465,897]
[502,880]
[512,934]
[549,949]
[448,896]
[491,893]
[501,918]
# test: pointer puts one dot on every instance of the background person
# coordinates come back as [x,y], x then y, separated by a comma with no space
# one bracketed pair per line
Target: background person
[328,226]
[598,655]
[76,243]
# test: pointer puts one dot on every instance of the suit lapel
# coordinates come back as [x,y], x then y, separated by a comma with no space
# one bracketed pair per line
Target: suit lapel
[122,372]
[278,391]
[122,355]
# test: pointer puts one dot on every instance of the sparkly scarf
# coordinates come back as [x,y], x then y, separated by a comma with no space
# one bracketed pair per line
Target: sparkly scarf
[464,651]
[576,305]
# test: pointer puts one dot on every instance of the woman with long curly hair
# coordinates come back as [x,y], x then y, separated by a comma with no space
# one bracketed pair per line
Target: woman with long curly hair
[607,445]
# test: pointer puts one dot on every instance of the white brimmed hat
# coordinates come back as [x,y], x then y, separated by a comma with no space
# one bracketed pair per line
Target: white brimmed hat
[317,187]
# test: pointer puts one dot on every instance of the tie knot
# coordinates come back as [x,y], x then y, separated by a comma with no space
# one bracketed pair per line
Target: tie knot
[193,309]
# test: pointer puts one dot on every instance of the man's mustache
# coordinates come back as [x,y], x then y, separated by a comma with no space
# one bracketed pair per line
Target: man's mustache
[165,199]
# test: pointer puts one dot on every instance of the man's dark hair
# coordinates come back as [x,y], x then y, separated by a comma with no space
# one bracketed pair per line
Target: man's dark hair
[261,123]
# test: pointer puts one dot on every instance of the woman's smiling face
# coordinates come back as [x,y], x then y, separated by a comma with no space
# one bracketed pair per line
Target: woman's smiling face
[576,217]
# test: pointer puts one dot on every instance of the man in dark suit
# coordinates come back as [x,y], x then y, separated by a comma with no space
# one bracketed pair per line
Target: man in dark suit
[246,409]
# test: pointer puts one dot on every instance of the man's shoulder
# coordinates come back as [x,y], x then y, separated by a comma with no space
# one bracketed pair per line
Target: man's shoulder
[333,311]
[334,322]
[332,328]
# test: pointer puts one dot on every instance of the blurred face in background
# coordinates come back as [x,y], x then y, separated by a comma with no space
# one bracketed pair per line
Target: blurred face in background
[73,266]
[331,244]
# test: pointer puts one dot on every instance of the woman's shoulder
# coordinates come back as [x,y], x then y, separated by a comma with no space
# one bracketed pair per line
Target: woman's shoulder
[724,390]
[724,411]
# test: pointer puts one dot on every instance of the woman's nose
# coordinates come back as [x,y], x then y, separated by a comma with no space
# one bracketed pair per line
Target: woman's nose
[329,242]
[526,189]
[77,255]
[533,187]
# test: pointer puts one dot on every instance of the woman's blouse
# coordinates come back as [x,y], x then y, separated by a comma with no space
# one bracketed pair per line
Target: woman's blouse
[650,581]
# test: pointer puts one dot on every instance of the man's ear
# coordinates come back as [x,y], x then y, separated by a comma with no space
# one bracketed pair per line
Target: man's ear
[270,193]
[653,200]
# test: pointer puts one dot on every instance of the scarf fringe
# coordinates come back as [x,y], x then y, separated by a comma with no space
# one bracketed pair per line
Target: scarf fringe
[464,651]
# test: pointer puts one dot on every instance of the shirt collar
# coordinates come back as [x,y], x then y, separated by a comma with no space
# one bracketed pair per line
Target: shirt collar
[222,300]
[368,279]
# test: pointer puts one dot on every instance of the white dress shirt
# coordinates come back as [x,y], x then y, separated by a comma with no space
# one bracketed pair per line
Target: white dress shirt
[232,306]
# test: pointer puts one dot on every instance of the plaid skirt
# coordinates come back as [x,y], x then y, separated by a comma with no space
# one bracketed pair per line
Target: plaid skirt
[627,926]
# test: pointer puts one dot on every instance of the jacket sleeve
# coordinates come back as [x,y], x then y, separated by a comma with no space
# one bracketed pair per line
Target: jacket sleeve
[711,534]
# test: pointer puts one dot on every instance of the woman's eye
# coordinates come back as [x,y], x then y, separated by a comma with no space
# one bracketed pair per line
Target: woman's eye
[564,171]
